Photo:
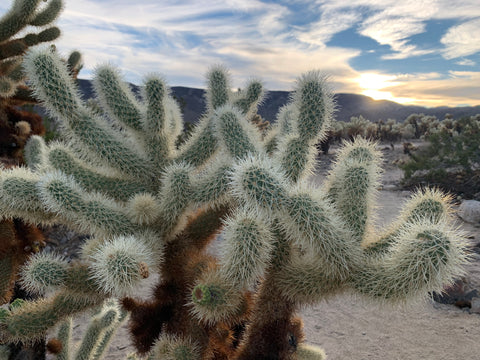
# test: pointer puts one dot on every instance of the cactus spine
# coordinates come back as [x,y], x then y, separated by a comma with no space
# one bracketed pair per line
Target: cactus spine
[286,241]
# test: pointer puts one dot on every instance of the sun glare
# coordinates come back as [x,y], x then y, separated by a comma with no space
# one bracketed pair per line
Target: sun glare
[372,85]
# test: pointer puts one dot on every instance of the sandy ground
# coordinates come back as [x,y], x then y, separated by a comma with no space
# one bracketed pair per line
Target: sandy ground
[351,328]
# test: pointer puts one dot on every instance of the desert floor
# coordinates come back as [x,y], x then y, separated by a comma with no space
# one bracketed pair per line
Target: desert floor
[349,327]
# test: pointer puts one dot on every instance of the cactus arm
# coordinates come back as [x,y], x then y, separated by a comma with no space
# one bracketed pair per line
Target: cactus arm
[425,204]
[17,18]
[98,325]
[35,152]
[74,63]
[91,212]
[176,196]
[351,185]
[315,104]
[296,156]
[211,188]
[108,335]
[31,320]
[120,264]
[117,187]
[64,335]
[19,197]
[218,88]
[423,258]
[304,123]
[237,136]
[201,145]
[155,124]
[247,249]
[12,48]
[250,98]
[48,14]
[55,87]
[116,97]
[174,126]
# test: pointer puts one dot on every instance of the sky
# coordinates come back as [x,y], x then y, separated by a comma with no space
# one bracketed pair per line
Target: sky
[419,52]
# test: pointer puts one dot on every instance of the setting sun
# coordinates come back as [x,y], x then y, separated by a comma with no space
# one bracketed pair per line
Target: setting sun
[372,85]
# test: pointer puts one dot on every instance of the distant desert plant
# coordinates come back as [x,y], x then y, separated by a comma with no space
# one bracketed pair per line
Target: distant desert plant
[451,158]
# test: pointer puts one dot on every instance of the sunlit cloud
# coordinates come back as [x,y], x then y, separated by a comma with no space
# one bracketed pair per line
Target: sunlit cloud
[466,62]
[462,40]
[430,89]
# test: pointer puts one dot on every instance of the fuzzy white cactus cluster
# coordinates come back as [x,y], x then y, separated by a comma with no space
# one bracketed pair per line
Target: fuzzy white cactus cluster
[121,179]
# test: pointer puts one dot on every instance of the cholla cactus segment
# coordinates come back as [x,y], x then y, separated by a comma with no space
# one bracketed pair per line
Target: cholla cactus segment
[257,182]
[155,92]
[287,118]
[175,194]
[111,182]
[91,212]
[315,105]
[426,204]
[311,221]
[64,335]
[201,145]
[144,209]
[120,264]
[218,87]
[237,135]
[99,325]
[117,98]
[55,87]
[352,184]
[75,63]
[309,352]
[52,82]
[174,348]
[215,300]
[211,188]
[296,156]
[35,152]
[18,17]
[48,14]
[423,258]
[249,99]
[43,272]
[247,249]
[31,321]
[174,121]
[19,197]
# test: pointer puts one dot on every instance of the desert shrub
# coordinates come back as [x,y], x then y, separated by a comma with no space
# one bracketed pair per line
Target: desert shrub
[451,159]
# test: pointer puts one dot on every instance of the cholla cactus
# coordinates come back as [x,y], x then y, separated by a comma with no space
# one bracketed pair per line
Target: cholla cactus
[23,14]
[18,240]
[151,208]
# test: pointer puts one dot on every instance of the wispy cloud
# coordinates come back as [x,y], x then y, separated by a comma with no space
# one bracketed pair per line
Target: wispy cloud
[462,40]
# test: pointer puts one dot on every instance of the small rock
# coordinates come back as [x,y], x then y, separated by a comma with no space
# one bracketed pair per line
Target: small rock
[469,211]
[475,305]
[457,295]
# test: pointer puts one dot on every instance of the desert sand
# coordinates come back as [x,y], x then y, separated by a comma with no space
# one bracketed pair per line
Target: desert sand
[348,327]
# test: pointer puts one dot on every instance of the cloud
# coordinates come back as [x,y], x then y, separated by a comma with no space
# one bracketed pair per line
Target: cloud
[462,40]
[466,62]
[453,89]
[330,23]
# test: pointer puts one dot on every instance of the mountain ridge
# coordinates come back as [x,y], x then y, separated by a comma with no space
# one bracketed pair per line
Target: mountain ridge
[192,101]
